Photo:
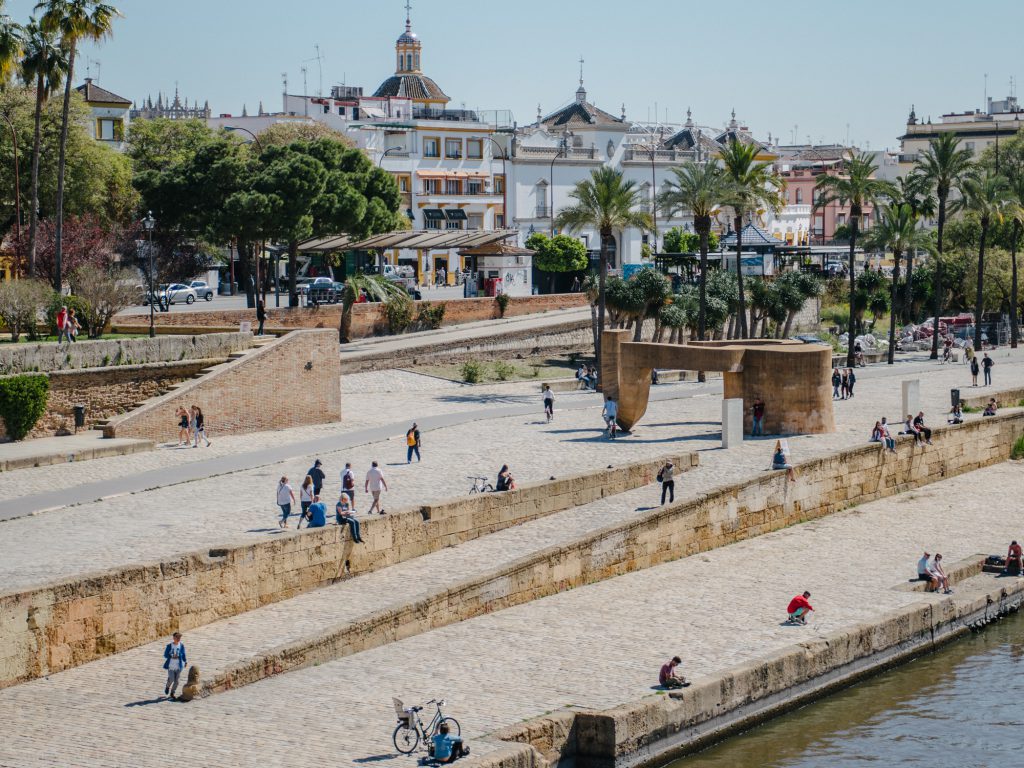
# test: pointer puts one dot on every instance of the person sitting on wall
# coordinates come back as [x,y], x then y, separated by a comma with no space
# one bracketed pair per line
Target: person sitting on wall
[990,409]
[667,677]
[316,514]
[505,480]
[956,414]
[446,748]
[1014,560]
[780,460]
[910,429]
[925,572]
[799,608]
[919,425]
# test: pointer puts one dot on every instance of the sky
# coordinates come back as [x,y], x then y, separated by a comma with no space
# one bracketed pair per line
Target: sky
[804,70]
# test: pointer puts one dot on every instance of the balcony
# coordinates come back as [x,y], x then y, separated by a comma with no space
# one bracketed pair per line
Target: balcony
[542,212]
[660,155]
[548,153]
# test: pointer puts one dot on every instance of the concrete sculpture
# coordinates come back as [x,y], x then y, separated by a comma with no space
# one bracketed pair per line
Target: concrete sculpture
[790,376]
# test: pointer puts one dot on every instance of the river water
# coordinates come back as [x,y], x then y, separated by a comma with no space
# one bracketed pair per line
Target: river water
[961,706]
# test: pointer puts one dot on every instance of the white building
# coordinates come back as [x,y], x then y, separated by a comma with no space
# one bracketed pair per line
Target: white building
[110,114]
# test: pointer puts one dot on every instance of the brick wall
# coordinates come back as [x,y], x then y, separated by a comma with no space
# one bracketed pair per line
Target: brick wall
[292,381]
[367,319]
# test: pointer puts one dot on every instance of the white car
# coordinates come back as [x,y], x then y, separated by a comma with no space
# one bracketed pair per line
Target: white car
[202,289]
[177,292]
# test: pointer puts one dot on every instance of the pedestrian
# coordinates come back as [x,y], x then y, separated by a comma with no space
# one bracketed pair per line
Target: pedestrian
[837,381]
[348,483]
[757,411]
[72,325]
[851,379]
[986,364]
[184,433]
[798,609]
[581,376]
[199,426]
[910,428]
[317,514]
[667,677]
[920,427]
[375,483]
[174,662]
[549,402]
[505,481]
[576,284]
[62,325]
[412,443]
[668,485]
[318,476]
[844,384]
[345,515]
[975,368]
[940,574]
[285,499]
[925,572]
[261,316]
[306,495]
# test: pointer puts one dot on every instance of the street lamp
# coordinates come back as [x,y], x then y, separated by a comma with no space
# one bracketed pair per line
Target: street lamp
[255,138]
[149,224]
[387,152]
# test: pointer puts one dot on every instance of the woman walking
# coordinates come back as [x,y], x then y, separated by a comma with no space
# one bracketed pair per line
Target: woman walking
[975,368]
[549,402]
[184,432]
[285,499]
[305,499]
[199,426]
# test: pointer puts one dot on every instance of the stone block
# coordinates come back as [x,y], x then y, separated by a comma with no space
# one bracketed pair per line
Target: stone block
[911,397]
[732,422]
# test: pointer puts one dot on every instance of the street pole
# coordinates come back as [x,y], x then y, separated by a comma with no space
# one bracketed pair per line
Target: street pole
[149,223]
[551,187]
[233,250]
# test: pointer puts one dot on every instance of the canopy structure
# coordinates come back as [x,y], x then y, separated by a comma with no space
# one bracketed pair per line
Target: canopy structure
[496,248]
[439,239]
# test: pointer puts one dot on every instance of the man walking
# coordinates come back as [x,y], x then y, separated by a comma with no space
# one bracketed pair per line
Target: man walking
[412,442]
[668,485]
[261,317]
[348,483]
[374,484]
[317,475]
[986,365]
[758,413]
[549,402]
[174,662]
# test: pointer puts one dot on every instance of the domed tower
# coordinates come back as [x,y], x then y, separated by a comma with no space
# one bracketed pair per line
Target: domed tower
[409,80]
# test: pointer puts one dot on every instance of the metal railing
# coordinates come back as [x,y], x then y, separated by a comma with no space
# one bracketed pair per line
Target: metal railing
[542,212]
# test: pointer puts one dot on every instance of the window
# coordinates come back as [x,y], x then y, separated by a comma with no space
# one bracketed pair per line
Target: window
[799,197]
[499,220]
[867,221]
[499,185]
[476,187]
[453,225]
[431,186]
[431,147]
[110,129]
[841,220]
[476,221]
[969,145]
[453,148]
[452,187]
[403,184]
[327,109]
[432,218]
[474,149]
[432,224]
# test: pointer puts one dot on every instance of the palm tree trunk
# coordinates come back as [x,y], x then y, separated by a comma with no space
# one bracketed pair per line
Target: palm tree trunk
[908,304]
[293,266]
[593,326]
[852,329]
[1014,306]
[58,253]
[602,278]
[36,144]
[981,283]
[937,288]
[892,314]
[703,306]
[742,314]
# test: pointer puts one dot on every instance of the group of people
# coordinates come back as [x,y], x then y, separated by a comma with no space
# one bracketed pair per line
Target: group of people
[586,375]
[67,325]
[933,572]
[191,426]
[912,425]
[842,383]
[984,367]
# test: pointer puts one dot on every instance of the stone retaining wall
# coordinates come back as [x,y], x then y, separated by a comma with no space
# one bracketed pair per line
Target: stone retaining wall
[292,381]
[24,358]
[68,623]
[1005,398]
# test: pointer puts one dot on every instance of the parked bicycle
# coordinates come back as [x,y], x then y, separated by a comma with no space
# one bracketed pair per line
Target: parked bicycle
[480,485]
[411,731]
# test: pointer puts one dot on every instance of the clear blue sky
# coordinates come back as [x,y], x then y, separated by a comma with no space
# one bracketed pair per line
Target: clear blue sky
[817,64]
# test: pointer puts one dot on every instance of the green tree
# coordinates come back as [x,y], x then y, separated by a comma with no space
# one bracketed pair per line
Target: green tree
[986,194]
[376,288]
[282,134]
[944,164]
[753,186]
[857,188]
[723,293]
[606,202]
[161,142]
[560,253]
[896,229]
[652,291]
[914,191]
[700,188]
[72,21]
[1008,159]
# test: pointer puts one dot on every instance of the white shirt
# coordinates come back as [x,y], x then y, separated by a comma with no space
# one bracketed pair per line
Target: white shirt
[611,409]
[305,494]
[284,493]
[174,663]
[922,565]
[549,395]
[375,479]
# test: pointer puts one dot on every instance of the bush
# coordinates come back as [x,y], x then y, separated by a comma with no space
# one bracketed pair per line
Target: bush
[81,307]
[431,316]
[104,293]
[21,302]
[503,300]
[398,309]
[1018,449]
[504,371]
[472,372]
[22,402]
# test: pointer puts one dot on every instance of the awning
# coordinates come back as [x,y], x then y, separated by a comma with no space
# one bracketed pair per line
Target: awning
[433,174]
[324,244]
[455,214]
[439,239]
[433,214]
[371,112]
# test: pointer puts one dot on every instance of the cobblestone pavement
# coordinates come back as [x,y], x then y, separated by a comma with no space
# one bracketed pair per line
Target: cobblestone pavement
[596,646]
[239,507]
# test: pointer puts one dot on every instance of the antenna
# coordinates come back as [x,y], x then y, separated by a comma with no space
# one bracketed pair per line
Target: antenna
[984,104]
[305,91]
[320,68]
[284,92]
[89,62]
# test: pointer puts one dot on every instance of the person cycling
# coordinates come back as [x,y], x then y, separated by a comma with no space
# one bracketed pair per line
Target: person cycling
[610,413]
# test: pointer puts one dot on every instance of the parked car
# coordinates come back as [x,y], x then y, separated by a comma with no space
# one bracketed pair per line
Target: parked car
[320,290]
[203,291]
[178,292]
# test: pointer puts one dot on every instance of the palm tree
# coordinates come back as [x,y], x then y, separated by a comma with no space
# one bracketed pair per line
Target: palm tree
[857,188]
[753,185]
[376,288]
[700,188]
[896,229]
[944,164]
[986,194]
[72,21]
[45,66]
[913,190]
[606,202]
[1015,210]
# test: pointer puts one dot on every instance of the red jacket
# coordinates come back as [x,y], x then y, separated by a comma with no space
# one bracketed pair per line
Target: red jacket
[798,602]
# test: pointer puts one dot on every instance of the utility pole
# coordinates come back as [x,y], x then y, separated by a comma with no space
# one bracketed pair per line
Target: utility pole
[305,93]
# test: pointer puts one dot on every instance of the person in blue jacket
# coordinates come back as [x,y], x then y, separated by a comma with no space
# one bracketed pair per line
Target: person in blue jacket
[447,748]
[174,662]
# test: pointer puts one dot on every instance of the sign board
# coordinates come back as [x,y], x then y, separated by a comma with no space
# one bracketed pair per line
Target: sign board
[245,327]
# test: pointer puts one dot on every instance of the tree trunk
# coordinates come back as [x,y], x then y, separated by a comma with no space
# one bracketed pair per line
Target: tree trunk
[36,144]
[729,327]
[908,303]
[593,326]
[293,266]
[244,272]
[704,229]
[602,278]
[981,284]
[638,330]
[937,288]
[345,328]
[742,313]
[58,278]
[852,329]
[892,314]
[1014,306]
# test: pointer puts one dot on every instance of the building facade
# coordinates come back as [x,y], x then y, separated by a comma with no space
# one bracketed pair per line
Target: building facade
[111,114]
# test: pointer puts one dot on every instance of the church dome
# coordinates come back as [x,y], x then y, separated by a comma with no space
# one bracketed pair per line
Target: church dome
[408,37]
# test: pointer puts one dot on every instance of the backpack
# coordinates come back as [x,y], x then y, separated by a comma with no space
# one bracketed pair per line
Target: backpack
[661,475]
[348,482]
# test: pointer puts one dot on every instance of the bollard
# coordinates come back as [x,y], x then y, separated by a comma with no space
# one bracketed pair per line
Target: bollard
[732,422]
[911,398]
[954,398]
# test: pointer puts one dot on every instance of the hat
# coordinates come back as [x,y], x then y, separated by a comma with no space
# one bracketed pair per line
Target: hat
[317,463]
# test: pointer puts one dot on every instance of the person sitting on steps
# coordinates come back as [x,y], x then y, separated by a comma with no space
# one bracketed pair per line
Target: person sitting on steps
[445,747]
[990,408]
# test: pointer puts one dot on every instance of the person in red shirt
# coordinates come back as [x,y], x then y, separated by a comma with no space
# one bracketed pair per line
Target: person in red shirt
[799,608]
[1013,560]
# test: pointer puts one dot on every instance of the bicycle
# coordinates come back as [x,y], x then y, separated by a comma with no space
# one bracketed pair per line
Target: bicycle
[410,729]
[480,485]
[612,427]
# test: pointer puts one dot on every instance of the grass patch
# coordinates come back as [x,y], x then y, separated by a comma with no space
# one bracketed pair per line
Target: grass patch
[1018,449]
[527,369]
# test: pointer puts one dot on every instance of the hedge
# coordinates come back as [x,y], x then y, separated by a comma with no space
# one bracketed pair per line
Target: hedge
[22,402]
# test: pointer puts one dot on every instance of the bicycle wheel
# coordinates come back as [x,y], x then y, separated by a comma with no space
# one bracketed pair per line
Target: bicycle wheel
[453,726]
[406,739]
[488,488]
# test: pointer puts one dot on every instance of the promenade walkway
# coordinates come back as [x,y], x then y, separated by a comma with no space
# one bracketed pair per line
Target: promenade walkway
[593,647]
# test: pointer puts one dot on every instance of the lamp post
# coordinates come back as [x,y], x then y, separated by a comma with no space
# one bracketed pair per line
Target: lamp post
[255,138]
[387,152]
[17,185]
[651,149]
[149,224]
